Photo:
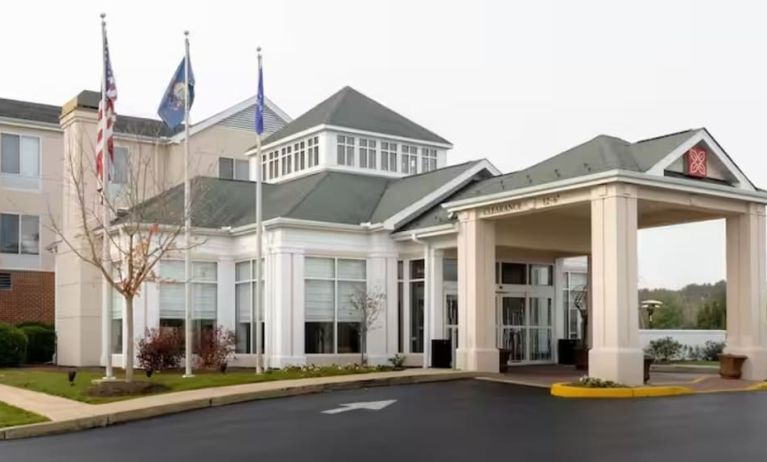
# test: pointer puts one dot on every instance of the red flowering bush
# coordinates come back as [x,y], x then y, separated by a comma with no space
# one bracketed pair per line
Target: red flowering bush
[161,349]
[215,348]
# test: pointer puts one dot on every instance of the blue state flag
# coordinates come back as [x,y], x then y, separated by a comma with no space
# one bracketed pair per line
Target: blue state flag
[260,103]
[171,108]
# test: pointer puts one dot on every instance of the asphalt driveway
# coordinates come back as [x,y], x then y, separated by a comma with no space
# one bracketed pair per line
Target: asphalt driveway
[456,421]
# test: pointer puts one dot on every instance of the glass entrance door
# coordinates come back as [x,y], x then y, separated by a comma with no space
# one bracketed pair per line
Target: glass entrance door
[525,327]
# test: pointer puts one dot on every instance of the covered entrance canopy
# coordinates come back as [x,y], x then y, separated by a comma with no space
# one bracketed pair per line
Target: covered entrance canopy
[591,200]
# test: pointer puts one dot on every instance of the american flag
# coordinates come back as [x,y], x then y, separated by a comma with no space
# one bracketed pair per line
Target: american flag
[106,120]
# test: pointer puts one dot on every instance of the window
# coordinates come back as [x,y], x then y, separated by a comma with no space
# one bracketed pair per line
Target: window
[204,296]
[233,169]
[575,292]
[286,159]
[5,281]
[332,323]
[409,159]
[120,167]
[388,156]
[19,234]
[244,288]
[19,155]
[541,275]
[512,273]
[264,166]
[367,153]
[450,270]
[429,159]
[299,156]
[417,273]
[313,151]
[345,150]
[274,164]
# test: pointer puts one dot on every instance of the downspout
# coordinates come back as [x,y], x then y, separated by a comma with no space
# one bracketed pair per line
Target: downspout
[427,263]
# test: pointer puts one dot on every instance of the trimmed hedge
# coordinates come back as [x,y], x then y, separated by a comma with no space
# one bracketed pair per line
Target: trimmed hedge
[41,343]
[13,346]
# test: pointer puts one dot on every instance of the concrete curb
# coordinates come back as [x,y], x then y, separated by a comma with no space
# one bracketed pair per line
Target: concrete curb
[106,419]
[565,390]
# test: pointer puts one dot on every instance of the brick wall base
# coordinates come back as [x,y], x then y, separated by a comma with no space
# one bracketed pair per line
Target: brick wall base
[30,298]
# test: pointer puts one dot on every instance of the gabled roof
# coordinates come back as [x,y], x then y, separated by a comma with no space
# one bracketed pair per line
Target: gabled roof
[601,154]
[24,110]
[327,196]
[349,108]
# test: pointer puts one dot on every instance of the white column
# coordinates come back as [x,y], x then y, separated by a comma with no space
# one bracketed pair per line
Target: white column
[378,281]
[477,350]
[615,351]
[437,296]
[281,323]
[298,349]
[746,299]
[392,308]
[225,295]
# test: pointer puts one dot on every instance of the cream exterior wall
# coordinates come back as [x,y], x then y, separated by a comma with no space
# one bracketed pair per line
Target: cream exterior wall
[44,201]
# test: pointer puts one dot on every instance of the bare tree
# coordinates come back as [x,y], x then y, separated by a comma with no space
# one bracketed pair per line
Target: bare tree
[368,304]
[146,220]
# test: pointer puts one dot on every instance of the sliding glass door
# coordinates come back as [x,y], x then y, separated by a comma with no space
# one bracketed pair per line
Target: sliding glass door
[525,327]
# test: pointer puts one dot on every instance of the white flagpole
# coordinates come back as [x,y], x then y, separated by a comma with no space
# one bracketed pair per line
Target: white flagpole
[187,223]
[256,311]
[106,257]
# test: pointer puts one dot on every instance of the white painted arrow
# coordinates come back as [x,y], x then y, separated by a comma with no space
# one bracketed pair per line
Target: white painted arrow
[369,405]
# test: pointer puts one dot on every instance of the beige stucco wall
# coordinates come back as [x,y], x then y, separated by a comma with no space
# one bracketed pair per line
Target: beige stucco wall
[44,202]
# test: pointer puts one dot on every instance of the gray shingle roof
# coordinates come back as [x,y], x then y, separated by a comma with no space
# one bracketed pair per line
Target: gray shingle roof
[351,109]
[25,110]
[599,154]
[327,196]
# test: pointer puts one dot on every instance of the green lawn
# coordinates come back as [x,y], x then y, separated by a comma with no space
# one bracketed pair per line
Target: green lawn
[696,363]
[54,381]
[10,416]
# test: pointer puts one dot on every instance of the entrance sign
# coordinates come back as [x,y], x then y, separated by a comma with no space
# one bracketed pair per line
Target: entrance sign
[369,405]
[697,162]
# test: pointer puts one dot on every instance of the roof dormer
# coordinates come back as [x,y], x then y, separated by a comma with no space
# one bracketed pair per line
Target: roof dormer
[353,133]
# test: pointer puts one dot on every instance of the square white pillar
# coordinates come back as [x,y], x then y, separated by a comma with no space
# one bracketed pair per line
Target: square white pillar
[746,298]
[615,351]
[477,350]
[381,273]
[283,320]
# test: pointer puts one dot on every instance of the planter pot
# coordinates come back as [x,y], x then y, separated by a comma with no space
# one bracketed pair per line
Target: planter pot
[731,366]
[581,359]
[503,359]
[648,360]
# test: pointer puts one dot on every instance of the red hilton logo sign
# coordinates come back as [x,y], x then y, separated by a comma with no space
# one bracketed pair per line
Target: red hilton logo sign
[697,164]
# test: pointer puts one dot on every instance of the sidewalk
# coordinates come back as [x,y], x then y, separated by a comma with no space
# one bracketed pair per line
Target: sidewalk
[67,415]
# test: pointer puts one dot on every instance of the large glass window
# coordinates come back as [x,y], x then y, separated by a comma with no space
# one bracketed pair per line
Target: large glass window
[429,159]
[204,282]
[274,159]
[286,160]
[19,155]
[575,292]
[313,151]
[409,159]
[417,273]
[299,156]
[388,156]
[367,153]
[19,234]
[345,150]
[332,323]
[244,290]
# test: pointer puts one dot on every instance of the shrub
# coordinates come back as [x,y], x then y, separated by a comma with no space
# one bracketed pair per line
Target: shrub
[160,349]
[711,350]
[35,323]
[215,348]
[397,361]
[664,349]
[13,346]
[593,382]
[41,343]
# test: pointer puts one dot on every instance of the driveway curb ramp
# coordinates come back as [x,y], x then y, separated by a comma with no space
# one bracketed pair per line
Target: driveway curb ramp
[110,418]
[565,390]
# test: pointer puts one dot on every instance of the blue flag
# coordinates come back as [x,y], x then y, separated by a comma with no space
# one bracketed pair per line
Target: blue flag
[171,108]
[260,103]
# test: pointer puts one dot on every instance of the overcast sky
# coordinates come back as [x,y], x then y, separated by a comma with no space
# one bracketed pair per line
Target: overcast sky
[514,82]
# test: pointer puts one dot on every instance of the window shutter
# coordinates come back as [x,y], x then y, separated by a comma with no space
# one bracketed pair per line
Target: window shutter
[319,300]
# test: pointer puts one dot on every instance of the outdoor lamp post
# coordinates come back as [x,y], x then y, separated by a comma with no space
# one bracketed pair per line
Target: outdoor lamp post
[650,306]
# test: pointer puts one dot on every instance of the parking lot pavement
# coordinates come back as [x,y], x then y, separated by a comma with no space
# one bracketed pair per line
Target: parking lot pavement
[463,420]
